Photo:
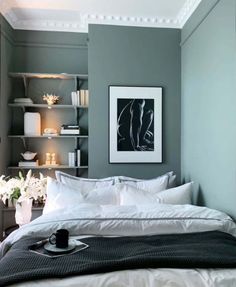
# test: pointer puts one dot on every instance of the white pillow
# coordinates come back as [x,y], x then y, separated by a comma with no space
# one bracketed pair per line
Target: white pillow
[130,195]
[60,196]
[151,185]
[84,184]
[171,179]
[178,195]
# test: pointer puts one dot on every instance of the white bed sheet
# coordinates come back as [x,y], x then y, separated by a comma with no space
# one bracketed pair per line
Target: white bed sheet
[92,220]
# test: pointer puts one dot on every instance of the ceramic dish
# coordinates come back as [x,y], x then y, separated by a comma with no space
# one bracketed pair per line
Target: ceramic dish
[52,248]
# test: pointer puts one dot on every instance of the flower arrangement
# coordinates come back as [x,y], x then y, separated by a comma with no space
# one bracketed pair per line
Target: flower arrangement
[21,189]
[50,99]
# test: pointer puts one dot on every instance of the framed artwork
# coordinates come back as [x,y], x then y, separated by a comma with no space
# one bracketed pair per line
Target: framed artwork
[135,118]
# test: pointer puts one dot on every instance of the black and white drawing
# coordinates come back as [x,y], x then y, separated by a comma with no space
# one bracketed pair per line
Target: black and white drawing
[135,124]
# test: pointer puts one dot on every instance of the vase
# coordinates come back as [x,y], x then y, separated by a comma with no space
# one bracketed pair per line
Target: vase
[12,202]
[23,212]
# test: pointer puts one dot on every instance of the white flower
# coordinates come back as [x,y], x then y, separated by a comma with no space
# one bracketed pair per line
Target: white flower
[21,189]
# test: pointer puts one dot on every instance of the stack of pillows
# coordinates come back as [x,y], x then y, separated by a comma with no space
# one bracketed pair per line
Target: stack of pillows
[69,190]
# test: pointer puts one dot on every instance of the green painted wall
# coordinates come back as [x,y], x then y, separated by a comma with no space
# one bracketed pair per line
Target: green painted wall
[138,57]
[6,52]
[55,52]
[208,105]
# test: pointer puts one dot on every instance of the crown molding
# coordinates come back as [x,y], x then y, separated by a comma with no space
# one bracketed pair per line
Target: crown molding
[81,25]
[187,10]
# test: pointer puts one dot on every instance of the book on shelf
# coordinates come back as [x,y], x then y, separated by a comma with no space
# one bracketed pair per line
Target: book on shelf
[28,163]
[84,98]
[70,132]
[69,127]
[80,98]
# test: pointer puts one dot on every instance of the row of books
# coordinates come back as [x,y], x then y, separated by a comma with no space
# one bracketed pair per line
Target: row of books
[80,98]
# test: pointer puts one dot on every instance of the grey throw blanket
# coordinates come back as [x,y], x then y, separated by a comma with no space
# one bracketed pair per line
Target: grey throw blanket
[212,249]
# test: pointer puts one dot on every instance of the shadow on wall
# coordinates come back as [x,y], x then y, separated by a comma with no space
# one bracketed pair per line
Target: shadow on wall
[200,197]
[197,194]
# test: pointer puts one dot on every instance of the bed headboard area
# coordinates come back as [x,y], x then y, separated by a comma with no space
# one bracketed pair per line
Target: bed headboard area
[133,57]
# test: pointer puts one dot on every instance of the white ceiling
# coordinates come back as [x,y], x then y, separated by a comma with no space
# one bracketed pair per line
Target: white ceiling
[75,15]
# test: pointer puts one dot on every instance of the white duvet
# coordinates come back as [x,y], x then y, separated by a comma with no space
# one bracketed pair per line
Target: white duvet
[108,220]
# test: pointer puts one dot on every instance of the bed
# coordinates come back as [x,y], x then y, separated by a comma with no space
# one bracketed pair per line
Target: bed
[124,216]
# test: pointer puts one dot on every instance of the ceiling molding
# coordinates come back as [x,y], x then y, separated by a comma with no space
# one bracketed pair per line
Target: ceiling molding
[84,19]
[187,10]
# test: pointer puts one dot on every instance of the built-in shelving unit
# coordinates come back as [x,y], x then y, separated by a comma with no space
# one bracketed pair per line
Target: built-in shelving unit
[49,167]
[62,76]
[63,108]
[43,106]
[49,137]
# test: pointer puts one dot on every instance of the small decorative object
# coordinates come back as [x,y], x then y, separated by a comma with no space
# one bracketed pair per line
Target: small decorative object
[53,159]
[23,191]
[28,155]
[32,124]
[50,132]
[78,157]
[51,99]
[48,158]
[23,211]
[135,124]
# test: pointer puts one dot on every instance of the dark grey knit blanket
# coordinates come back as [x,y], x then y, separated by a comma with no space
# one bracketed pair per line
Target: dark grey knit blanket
[211,249]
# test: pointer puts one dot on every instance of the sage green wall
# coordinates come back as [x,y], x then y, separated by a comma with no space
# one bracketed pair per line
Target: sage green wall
[50,52]
[6,51]
[138,57]
[208,104]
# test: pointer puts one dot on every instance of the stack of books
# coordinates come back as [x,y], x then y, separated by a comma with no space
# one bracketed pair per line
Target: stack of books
[28,163]
[23,101]
[70,130]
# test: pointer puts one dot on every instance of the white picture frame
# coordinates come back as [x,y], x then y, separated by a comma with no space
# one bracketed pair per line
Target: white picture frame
[135,124]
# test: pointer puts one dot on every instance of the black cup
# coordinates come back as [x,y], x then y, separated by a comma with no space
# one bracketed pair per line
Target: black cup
[60,238]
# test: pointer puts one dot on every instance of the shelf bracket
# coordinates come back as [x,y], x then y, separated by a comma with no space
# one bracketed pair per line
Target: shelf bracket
[24,142]
[79,83]
[25,81]
[75,83]
[76,114]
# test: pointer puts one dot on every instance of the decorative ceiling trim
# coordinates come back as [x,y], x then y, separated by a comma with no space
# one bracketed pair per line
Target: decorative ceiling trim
[187,10]
[81,25]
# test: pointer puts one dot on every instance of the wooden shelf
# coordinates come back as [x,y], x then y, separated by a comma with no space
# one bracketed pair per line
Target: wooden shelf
[49,167]
[62,76]
[49,137]
[44,106]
